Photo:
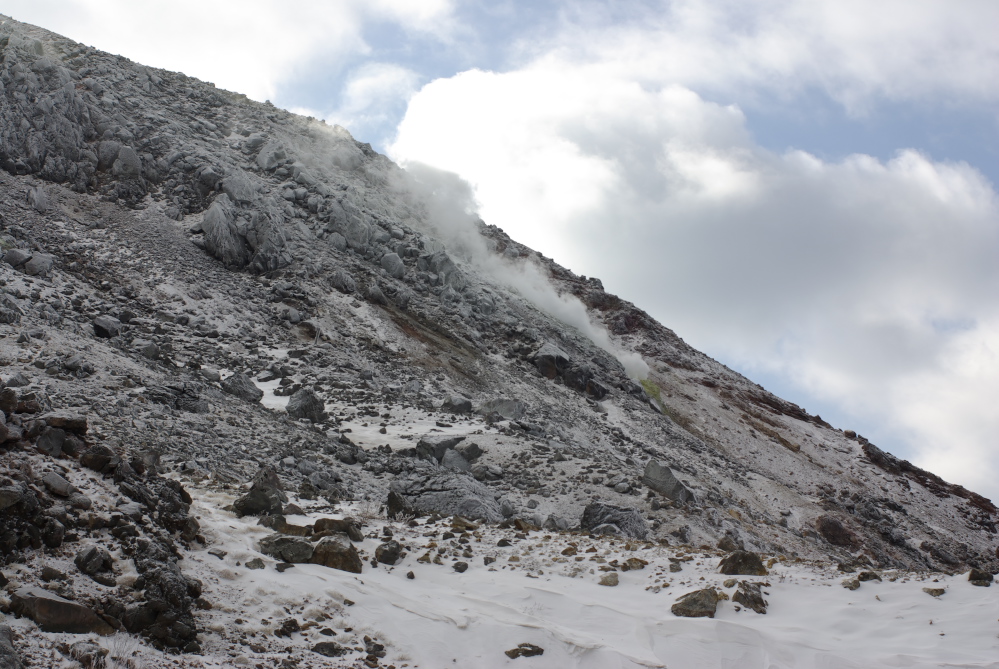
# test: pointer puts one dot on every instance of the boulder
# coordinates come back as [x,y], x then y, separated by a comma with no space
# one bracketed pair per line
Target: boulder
[601,518]
[336,552]
[305,404]
[66,420]
[17,257]
[287,549]
[455,460]
[389,552]
[107,327]
[40,264]
[447,492]
[660,478]
[52,613]
[435,446]
[551,361]
[980,577]
[349,526]
[265,497]
[457,404]
[742,563]
[393,265]
[697,604]
[750,595]
[50,442]
[242,386]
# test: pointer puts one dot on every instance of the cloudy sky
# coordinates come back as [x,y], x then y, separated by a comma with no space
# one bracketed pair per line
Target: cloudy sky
[804,190]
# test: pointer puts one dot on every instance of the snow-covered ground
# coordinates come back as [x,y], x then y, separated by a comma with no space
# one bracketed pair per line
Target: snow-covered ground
[533,593]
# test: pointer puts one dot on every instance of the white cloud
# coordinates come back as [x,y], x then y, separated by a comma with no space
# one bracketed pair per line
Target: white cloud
[372,97]
[250,46]
[869,284]
[853,50]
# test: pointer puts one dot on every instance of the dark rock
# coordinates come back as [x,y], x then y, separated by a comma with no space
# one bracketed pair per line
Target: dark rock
[52,613]
[305,404]
[242,386]
[460,567]
[265,495]
[750,596]
[349,526]
[336,552]
[100,459]
[17,257]
[396,506]
[107,327]
[868,576]
[835,532]
[697,604]
[660,478]
[745,563]
[94,561]
[980,577]
[601,518]
[388,552]
[50,442]
[53,533]
[524,650]
[447,492]
[288,549]
[330,649]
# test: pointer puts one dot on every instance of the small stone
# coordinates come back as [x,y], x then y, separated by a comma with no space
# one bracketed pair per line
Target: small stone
[851,583]
[750,595]
[609,579]
[934,592]
[980,578]
[410,575]
[524,650]
[730,582]
[460,567]
[255,563]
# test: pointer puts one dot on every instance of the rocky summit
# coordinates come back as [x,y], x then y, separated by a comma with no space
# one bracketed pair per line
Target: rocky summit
[239,346]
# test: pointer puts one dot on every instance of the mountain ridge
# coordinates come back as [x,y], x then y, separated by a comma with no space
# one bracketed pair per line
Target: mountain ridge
[221,286]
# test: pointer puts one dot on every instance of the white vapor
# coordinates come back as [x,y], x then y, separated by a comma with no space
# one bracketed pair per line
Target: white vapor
[870,285]
[452,212]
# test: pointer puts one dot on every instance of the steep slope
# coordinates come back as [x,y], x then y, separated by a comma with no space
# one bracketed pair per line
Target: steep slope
[164,239]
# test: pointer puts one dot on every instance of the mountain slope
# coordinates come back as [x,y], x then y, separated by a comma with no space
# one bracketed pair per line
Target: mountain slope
[164,238]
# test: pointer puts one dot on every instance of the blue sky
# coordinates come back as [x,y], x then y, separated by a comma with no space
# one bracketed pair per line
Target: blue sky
[804,190]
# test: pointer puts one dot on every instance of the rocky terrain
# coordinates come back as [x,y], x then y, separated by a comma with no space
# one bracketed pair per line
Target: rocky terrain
[215,311]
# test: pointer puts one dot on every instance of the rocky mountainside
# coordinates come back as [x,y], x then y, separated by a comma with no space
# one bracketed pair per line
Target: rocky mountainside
[209,298]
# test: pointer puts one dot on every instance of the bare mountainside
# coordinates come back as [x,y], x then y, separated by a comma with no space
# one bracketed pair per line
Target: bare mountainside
[210,301]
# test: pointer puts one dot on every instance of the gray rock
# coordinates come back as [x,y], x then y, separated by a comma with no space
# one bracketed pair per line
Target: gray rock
[660,478]
[697,604]
[288,549]
[38,199]
[343,281]
[454,460]
[17,257]
[9,657]
[239,186]
[127,165]
[448,493]
[470,451]
[305,404]
[242,386]
[52,613]
[51,441]
[393,265]
[39,265]
[107,327]
[551,361]
[457,404]
[70,421]
[507,408]
[601,518]
[979,577]
[57,485]
[94,561]
[435,446]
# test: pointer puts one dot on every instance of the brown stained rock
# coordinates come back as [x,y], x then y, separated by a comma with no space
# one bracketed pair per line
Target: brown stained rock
[52,613]
[835,532]
[742,563]
[697,604]
[336,552]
